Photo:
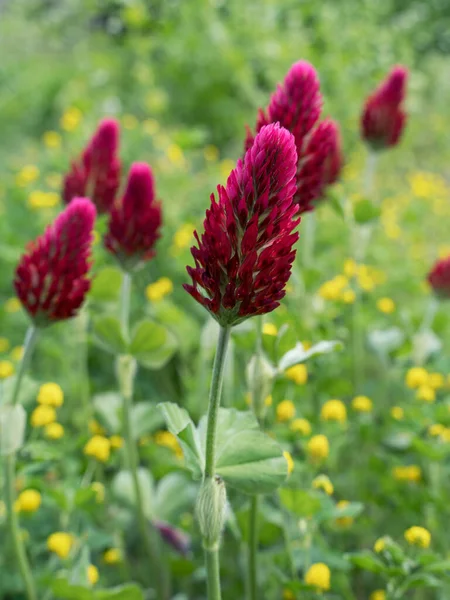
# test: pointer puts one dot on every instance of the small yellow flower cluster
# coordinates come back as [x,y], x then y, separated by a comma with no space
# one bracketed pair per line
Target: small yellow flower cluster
[4,344]
[95,428]
[337,289]
[301,426]
[42,416]
[112,556]
[50,397]
[17,353]
[381,543]
[270,329]
[71,119]
[61,543]
[52,139]
[397,413]
[334,410]
[323,483]
[298,374]
[362,404]
[418,536]
[386,305]
[92,574]
[12,305]
[40,199]
[168,440]
[28,174]
[426,384]
[6,369]
[175,155]
[427,185]
[319,576]
[28,501]
[440,431]
[411,473]
[289,460]
[159,290]
[318,447]
[182,238]
[285,411]
[50,394]
[98,447]
[378,595]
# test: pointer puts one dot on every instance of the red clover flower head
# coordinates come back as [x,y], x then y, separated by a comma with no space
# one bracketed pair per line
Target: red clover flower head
[439,278]
[51,279]
[244,257]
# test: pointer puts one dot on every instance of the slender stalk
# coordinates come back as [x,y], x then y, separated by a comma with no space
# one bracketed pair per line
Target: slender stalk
[253,548]
[126,374]
[214,400]
[10,476]
[212,553]
[213,574]
[309,235]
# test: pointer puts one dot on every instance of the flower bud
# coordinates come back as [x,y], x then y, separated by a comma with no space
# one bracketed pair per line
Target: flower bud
[211,511]
[260,375]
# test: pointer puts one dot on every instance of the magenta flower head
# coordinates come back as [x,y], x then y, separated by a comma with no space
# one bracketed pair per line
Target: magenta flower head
[383,118]
[96,173]
[321,165]
[51,279]
[244,257]
[135,221]
[439,278]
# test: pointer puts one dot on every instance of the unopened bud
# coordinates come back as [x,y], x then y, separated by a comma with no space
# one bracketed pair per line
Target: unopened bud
[260,375]
[211,511]
[126,370]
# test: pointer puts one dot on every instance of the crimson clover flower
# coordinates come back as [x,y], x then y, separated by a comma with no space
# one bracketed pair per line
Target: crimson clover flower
[96,173]
[244,257]
[383,118]
[135,221]
[51,279]
[439,278]
[297,105]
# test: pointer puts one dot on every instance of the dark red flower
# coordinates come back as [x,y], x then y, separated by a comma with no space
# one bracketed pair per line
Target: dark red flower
[96,173]
[319,166]
[383,118]
[439,278]
[135,220]
[51,278]
[245,254]
[297,105]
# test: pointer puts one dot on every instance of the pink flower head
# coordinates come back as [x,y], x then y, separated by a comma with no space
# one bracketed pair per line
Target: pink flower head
[439,278]
[320,165]
[244,257]
[383,118]
[51,278]
[135,220]
[96,173]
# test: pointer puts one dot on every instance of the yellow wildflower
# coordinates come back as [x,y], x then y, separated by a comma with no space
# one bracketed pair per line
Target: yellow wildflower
[436,381]
[426,393]
[116,442]
[28,501]
[332,289]
[12,305]
[92,574]
[411,473]
[28,174]
[270,329]
[397,413]
[334,410]
[288,595]
[289,460]
[51,139]
[98,447]
[322,482]
[298,374]
[175,155]
[318,447]
[95,428]
[380,544]
[285,411]
[348,296]
[6,369]
[159,290]
[168,440]
[50,394]
[71,119]
[378,595]
[436,430]
[318,575]
[416,377]
[350,267]
[43,415]
[418,536]
[362,404]
[54,431]
[183,236]
[301,426]
[4,344]
[17,353]
[386,305]
[344,521]
[60,543]
[112,556]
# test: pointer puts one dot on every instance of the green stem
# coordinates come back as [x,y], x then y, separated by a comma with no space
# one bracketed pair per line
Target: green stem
[29,343]
[214,401]
[253,548]
[213,574]
[309,235]
[125,297]
[10,476]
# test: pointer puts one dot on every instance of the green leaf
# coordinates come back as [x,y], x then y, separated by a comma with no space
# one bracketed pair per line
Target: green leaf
[298,354]
[123,489]
[174,496]
[365,211]
[129,591]
[107,408]
[441,566]
[63,590]
[106,285]
[108,335]
[301,502]
[152,345]
[180,424]
[366,561]
[145,418]
[13,420]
